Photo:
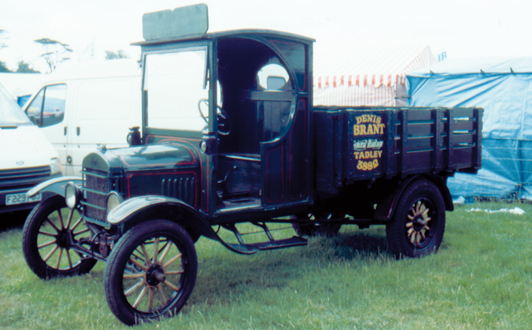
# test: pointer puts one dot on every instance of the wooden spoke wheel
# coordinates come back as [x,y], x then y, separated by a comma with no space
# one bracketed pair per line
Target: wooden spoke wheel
[47,237]
[418,224]
[151,272]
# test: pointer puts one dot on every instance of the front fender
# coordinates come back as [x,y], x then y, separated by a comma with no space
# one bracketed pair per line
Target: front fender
[161,206]
[56,186]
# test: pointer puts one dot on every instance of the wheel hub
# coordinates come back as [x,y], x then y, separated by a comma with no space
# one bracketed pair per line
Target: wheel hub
[63,238]
[417,227]
[419,224]
[155,275]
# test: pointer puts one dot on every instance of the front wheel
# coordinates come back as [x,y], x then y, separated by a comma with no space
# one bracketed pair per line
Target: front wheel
[150,272]
[47,238]
[418,224]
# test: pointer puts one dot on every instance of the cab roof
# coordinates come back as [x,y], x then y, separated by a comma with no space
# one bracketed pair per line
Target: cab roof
[248,33]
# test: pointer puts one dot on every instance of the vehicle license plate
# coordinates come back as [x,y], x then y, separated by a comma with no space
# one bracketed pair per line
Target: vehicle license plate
[22,198]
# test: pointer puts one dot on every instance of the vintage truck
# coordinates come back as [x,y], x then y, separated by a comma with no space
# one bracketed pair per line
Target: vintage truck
[230,135]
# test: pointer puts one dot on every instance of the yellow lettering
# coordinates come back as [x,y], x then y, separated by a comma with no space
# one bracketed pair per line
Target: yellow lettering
[368,119]
[367,166]
[370,130]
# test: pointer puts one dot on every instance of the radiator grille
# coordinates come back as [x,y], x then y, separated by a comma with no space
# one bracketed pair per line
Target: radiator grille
[25,177]
[97,186]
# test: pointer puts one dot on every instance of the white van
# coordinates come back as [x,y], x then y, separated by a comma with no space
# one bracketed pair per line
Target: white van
[85,104]
[27,158]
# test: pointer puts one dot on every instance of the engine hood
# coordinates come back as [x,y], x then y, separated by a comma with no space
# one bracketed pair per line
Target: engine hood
[25,146]
[151,157]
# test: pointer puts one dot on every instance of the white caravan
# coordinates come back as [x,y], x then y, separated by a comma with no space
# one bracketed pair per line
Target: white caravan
[27,158]
[86,104]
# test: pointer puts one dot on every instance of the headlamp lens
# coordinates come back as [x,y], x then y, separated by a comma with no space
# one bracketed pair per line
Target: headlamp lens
[71,195]
[113,200]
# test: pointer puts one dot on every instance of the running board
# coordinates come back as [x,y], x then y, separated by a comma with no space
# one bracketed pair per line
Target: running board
[252,248]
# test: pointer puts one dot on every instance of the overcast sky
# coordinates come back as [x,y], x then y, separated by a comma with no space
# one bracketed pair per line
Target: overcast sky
[461,28]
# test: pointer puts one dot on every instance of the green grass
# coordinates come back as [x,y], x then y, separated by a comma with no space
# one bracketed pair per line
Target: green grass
[480,279]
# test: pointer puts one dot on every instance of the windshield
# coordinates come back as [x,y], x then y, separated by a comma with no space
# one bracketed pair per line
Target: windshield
[10,113]
[174,85]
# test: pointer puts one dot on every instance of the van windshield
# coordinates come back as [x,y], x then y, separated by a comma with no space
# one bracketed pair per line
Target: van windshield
[10,113]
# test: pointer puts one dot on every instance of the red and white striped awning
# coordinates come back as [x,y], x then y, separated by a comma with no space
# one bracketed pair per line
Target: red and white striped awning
[355,96]
[361,80]
[365,75]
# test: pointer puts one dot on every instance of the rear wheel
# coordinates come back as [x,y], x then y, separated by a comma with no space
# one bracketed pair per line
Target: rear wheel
[150,272]
[418,224]
[47,237]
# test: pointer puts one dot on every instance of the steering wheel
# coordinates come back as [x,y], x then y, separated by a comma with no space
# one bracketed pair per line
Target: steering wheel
[224,122]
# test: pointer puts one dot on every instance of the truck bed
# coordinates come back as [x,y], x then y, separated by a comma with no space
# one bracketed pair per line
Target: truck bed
[363,143]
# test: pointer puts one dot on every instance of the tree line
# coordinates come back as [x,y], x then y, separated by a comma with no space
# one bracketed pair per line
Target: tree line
[55,52]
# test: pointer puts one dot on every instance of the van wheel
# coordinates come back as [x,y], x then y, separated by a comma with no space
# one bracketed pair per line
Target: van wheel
[47,238]
[317,225]
[418,224]
[150,272]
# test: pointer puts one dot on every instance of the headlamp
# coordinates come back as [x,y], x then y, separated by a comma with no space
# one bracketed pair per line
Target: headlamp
[72,195]
[113,199]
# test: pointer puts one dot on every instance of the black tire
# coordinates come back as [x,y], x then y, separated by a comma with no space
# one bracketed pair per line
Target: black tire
[418,224]
[46,238]
[140,290]
[317,225]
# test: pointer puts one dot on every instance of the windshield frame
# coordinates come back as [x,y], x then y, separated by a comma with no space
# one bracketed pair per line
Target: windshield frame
[207,81]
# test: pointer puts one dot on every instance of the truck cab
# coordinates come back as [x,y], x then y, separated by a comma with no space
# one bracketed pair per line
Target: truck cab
[238,104]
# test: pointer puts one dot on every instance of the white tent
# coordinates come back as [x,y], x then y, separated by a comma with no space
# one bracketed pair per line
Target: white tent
[367,75]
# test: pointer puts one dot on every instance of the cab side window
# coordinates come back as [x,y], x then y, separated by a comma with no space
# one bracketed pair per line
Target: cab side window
[274,103]
[48,106]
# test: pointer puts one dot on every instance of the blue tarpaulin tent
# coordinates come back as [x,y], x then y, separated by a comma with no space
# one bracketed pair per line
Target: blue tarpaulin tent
[503,87]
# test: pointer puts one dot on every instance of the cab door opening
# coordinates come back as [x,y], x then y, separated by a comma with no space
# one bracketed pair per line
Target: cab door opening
[257,95]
